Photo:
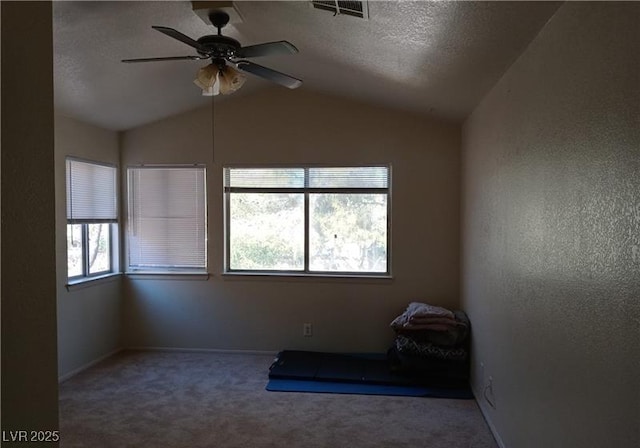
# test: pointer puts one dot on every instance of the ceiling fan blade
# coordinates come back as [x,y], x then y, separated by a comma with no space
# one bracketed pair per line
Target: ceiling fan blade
[169,58]
[181,37]
[267,49]
[269,74]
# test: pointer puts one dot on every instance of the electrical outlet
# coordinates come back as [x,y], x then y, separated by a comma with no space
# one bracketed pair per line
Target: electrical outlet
[307,330]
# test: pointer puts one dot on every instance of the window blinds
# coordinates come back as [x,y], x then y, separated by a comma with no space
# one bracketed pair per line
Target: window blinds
[264,177]
[91,192]
[349,177]
[167,218]
[369,177]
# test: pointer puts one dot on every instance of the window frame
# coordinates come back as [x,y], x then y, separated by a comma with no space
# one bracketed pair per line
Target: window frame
[166,270]
[112,226]
[306,191]
[86,269]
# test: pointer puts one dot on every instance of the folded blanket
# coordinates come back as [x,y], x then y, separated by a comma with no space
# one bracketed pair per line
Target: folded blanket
[420,316]
[450,372]
[418,320]
[418,309]
[432,327]
[409,346]
[446,336]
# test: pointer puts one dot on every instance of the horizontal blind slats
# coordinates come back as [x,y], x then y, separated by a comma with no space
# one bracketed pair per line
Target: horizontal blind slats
[349,177]
[317,177]
[265,177]
[167,217]
[91,192]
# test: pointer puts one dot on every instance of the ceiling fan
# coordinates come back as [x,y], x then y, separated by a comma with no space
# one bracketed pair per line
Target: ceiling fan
[227,55]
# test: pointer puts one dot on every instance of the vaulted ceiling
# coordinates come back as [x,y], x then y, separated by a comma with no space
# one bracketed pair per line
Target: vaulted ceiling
[438,58]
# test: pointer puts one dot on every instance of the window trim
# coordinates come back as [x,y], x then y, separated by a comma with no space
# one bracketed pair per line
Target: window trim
[85,282]
[166,272]
[306,190]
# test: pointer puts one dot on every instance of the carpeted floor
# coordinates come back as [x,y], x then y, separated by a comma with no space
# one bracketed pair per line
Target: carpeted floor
[189,400]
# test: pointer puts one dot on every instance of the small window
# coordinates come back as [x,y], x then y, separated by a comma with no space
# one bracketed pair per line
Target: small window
[91,219]
[167,219]
[309,220]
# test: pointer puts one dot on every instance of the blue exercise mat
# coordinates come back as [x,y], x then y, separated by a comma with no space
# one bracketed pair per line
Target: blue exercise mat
[364,368]
[331,387]
[371,374]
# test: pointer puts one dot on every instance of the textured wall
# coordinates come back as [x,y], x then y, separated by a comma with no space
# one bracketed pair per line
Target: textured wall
[88,317]
[282,126]
[29,387]
[551,234]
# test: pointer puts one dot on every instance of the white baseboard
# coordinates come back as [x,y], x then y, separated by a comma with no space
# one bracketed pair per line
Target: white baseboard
[74,372]
[485,413]
[205,350]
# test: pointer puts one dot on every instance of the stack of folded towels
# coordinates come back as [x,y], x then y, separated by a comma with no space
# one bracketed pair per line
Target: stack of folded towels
[432,338]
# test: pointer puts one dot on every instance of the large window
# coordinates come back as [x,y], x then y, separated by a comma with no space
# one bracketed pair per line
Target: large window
[315,220]
[91,219]
[167,219]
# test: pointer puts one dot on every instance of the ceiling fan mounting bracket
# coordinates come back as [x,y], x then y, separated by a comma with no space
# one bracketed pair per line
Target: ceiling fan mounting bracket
[219,19]
[204,9]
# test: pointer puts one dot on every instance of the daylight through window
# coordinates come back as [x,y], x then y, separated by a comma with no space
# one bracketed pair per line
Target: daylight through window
[315,220]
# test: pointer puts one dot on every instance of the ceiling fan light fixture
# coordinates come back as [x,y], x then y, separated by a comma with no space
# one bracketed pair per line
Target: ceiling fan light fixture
[230,80]
[214,80]
[206,76]
[211,91]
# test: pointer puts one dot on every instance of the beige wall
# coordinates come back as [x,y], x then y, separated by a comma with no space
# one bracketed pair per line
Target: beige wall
[551,234]
[283,126]
[89,316]
[29,380]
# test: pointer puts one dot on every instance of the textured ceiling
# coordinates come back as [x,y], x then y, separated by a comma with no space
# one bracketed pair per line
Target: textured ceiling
[438,58]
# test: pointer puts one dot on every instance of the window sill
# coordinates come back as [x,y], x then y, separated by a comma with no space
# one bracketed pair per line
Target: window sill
[168,275]
[293,277]
[89,282]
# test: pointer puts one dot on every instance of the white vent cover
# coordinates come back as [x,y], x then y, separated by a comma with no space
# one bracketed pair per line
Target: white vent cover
[203,9]
[349,8]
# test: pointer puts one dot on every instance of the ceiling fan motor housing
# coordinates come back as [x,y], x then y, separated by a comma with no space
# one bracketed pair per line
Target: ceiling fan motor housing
[219,46]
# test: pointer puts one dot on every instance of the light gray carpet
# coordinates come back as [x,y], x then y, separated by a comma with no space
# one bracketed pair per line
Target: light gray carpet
[176,399]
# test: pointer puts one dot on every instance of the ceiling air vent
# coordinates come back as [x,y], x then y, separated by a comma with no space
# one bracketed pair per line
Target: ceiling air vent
[355,9]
